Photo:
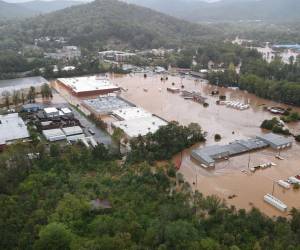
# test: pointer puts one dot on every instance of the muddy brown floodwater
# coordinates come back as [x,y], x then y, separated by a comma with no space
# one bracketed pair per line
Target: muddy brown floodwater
[226,179]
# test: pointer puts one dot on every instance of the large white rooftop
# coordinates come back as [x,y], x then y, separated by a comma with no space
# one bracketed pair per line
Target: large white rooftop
[130,113]
[89,83]
[12,127]
[140,126]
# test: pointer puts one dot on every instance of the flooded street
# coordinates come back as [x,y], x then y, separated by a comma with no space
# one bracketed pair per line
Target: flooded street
[226,179]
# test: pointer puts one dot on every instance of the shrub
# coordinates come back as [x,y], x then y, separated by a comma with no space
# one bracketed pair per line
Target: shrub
[218,137]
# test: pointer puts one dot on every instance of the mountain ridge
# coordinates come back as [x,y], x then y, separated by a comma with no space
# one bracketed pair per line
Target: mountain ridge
[12,10]
[112,22]
[227,10]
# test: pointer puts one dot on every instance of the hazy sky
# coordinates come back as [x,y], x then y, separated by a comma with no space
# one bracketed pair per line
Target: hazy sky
[20,1]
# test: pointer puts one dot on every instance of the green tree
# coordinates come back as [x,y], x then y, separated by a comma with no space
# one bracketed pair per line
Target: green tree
[118,135]
[31,95]
[54,236]
[46,91]
[6,96]
[16,97]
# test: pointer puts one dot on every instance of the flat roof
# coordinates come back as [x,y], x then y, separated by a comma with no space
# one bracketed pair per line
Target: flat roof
[21,83]
[130,113]
[212,153]
[140,126]
[89,83]
[106,104]
[12,127]
[50,110]
[72,130]
[53,132]
[66,110]
[274,139]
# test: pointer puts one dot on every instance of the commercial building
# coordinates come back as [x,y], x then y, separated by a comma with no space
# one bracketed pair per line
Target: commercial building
[88,86]
[22,85]
[130,113]
[276,141]
[140,126]
[12,127]
[104,105]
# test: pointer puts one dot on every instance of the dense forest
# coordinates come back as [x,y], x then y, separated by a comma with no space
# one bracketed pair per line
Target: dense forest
[62,198]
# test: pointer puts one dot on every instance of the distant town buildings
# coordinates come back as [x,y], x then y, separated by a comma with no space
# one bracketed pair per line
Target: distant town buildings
[270,53]
[66,53]
[113,55]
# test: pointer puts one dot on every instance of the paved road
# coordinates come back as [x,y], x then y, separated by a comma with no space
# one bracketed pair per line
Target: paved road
[100,136]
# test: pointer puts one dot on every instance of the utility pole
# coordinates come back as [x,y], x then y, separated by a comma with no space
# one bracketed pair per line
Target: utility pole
[249,159]
[273,188]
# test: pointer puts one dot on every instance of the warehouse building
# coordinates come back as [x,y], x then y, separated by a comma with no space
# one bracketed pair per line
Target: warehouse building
[70,131]
[12,128]
[104,105]
[276,141]
[71,134]
[88,86]
[63,134]
[209,155]
[53,135]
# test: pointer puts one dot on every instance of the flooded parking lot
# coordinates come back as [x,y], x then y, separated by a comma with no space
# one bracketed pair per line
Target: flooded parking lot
[226,179]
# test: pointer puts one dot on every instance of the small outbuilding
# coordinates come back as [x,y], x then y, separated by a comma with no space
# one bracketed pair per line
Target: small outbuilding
[51,112]
[31,107]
